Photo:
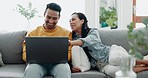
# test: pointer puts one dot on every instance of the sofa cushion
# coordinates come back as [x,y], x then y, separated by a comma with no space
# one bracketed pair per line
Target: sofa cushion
[89,74]
[114,36]
[11,46]
[143,74]
[80,59]
[12,71]
[1,61]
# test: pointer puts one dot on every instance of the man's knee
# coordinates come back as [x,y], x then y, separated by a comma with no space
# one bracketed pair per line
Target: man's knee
[34,67]
[61,71]
[62,67]
[34,70]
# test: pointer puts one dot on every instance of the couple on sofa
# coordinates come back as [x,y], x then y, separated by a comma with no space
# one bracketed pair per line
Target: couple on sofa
[101,57]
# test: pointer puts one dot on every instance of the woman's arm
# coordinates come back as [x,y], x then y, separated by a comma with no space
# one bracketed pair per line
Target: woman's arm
[93,37]
[142,62]
[76,43]
[140,68]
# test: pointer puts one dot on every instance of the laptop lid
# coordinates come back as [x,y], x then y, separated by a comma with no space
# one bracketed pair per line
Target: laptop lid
[46,49]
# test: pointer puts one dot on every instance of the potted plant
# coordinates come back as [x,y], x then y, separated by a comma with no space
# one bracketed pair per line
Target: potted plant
[137,42]
[108,17]
[28,12]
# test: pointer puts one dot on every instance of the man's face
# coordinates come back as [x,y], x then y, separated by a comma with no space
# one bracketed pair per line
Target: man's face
[51,19]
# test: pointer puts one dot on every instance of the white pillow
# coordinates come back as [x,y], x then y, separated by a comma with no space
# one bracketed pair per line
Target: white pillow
[80,59]
[145,57]
[1,61]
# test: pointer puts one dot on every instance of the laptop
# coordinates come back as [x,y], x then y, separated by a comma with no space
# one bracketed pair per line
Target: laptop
[46,49]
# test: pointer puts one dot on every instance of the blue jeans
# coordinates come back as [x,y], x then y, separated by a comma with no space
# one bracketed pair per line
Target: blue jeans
[61,70]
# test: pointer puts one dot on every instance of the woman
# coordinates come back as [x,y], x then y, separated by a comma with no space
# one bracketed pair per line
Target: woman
[105,58]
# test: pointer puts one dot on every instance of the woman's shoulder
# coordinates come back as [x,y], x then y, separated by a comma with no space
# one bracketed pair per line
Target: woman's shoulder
[94,30]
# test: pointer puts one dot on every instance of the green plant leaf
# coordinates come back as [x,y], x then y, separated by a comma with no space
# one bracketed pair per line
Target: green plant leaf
[137,41]
[145,21]
[109,16]
[28,12]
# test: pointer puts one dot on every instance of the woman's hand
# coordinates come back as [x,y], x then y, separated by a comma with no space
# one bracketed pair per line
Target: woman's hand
[76,69]
[75,43]
[69,43]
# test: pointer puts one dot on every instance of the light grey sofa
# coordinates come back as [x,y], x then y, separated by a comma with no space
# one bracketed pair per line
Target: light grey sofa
[11,50]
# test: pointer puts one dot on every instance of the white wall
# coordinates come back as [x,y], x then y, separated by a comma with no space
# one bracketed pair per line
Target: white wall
[141,10]
[92,12]
[11,20]
[124,8]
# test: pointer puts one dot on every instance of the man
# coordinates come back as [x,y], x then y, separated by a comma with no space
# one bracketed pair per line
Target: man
[49,28]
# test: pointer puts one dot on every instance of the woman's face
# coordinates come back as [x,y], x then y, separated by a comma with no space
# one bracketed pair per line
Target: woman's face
[76,23]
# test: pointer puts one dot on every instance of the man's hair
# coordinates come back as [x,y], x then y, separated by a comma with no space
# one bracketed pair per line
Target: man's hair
[53,6]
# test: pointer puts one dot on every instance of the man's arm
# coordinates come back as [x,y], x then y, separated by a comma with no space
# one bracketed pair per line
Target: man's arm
[69,48]
[24,46]
[24,51]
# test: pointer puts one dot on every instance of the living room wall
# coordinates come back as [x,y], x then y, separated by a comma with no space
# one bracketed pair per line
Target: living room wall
[125,11]
[12,20]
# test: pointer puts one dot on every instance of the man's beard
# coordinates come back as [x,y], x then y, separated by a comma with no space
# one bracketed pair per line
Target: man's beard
[49,26]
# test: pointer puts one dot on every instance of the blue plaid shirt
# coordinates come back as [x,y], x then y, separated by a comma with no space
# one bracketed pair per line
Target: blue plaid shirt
[97,50]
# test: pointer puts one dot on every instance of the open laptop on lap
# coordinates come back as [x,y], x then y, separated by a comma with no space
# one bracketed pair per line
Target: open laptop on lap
[46,49]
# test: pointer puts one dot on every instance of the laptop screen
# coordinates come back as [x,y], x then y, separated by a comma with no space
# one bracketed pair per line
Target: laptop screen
[46,49]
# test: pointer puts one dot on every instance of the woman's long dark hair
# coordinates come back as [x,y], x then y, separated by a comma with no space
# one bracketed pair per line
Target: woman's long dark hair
[85,28]
[84,32]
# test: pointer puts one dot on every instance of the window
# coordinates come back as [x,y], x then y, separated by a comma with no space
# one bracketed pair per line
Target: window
[140,12]
[108,13]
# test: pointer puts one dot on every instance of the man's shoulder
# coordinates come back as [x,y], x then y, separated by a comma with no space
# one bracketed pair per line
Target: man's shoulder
[37,28]
[31,31]
[63,29]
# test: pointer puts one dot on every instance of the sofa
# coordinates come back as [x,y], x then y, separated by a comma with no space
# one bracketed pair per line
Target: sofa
[14,66]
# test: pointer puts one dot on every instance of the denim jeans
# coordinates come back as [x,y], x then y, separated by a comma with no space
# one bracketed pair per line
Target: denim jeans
[115,55]
[61,70]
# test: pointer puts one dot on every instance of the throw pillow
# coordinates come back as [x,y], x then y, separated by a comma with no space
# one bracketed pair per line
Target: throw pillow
[80,59]
[11,46]
[145,57]
[1,61]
